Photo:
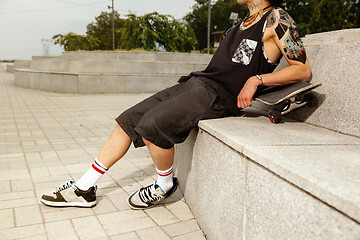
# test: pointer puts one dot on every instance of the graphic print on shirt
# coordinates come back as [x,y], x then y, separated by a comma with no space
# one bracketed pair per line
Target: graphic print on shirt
[244,52]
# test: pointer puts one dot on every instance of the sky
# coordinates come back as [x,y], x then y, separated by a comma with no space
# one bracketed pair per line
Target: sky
[24,23]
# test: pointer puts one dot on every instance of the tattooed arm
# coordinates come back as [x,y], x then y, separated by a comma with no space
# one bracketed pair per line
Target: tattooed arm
[281,38]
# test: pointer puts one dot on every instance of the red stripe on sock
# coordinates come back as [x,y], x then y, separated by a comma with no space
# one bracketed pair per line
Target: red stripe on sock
[165,174]
[97,169]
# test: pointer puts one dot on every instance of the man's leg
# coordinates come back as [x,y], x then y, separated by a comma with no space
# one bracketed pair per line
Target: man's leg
[163,160]
[83,193]
[114,149]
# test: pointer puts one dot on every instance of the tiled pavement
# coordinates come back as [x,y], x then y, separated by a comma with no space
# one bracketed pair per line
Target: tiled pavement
[46,138]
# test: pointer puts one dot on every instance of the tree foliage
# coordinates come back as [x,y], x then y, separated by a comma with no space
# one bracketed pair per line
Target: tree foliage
[330,15]
[101,29]
[74,42]
[151,32]
[220,13]
[154,30]
[311,16]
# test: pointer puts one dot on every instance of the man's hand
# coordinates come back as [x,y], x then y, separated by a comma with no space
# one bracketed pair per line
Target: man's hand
[245,97]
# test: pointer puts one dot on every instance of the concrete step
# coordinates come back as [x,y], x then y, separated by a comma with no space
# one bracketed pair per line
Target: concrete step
[65,82]
[140,56]
[113,66]
[245,178]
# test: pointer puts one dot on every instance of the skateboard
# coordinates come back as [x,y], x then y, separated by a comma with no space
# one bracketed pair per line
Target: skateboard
[280,100]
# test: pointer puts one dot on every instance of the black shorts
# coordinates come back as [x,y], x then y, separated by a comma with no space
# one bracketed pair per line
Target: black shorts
[168,116]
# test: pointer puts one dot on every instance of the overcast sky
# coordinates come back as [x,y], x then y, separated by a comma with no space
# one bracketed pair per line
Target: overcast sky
[23,23]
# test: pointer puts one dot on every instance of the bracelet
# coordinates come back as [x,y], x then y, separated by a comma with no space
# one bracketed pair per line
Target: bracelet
[260,78]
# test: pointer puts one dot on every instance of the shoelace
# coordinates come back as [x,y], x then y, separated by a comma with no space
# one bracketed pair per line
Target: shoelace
[65,186]
[149,194]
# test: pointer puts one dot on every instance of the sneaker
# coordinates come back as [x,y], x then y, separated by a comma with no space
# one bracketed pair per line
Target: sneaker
[149,196]
[68,195]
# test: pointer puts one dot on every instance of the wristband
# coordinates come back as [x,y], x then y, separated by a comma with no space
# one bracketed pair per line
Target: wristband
[260,78]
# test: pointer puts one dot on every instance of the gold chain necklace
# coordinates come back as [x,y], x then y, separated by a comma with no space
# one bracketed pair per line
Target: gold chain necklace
[250,19]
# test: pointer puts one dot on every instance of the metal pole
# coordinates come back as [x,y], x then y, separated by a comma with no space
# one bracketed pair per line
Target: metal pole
[113,25]
[208,30]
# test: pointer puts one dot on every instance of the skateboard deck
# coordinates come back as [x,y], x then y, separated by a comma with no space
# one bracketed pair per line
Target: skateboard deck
[276,95]
[281,100]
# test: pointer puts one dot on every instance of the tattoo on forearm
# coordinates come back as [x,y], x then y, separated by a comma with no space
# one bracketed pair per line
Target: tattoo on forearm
[293,47]
[271,19]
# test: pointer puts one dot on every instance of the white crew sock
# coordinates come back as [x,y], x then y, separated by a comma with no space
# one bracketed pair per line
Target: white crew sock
[93,175]
[165,179]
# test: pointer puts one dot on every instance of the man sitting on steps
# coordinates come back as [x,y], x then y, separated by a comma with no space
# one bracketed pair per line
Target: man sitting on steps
[241,66]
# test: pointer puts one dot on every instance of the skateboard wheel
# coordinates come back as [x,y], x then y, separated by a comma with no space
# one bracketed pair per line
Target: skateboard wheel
[275,116]
[311,100]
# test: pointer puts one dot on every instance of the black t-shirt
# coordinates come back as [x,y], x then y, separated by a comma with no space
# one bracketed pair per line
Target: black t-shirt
[240,55]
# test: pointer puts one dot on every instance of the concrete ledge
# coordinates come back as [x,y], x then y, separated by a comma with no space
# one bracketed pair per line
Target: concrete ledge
[65,82]
[113,66]
[9,67]
[141,56]
[244,177]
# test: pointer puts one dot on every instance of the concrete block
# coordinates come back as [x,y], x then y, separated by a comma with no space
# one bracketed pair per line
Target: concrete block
[90,83]
[22,64]
[276,209]
[113,83]
[334,66]
[312,169]
[134,83]
[10,67]
[139,56]
[65,83]
[208,177]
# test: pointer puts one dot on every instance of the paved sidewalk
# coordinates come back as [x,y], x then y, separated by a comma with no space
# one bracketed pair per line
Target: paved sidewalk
[46,138]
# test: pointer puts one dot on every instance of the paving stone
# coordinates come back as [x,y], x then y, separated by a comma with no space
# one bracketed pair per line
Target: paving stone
[16,195]
[39,172]
[128,225]
[129,185]
[5,186]
[104,205]
[120,200]
[14,174]
[23,232]
[17,164]
[198,235]
[21,185]
[67,213]
[89,228]
[126,236]
[61,230]
[150,233]
[57,170]
[18,203]
[181,228]
[161,215]
[6,219]
[180,209]
[27,215]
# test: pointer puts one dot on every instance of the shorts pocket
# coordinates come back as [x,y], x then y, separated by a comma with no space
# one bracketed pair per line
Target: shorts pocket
[244,52]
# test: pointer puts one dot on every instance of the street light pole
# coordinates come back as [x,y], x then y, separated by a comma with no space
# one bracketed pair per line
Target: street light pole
[208,30]
[113,23]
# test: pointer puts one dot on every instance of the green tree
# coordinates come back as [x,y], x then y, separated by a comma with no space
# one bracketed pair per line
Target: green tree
[330,15]
[220,13]
[301,12]
[355,13]
[155,30]
[101,29]
[74,42]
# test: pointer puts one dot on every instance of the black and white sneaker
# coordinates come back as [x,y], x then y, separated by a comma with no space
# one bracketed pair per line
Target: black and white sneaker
[148,196]
[68,195]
